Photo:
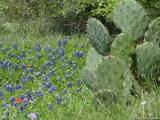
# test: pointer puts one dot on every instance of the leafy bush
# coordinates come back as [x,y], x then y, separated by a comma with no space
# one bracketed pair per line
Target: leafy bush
[99,9]
[152,7]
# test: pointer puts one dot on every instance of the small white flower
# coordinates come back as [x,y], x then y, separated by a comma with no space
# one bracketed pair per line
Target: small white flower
[143,103]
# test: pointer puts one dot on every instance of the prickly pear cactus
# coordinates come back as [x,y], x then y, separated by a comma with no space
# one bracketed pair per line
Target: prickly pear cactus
[113,74]
[105,98]
[122,46]
[88,77]
[92,58]
[130,17]
[148,60]
[99,36]
[153,33]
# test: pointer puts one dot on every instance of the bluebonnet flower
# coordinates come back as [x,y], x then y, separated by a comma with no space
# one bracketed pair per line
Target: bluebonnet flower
[48,49]
[51,89]
[12,99]
[4,104]
[48,63]
[21,96]
[12,55]
[16,67]
[62,59]
[45,77]
[67,76]
[38,94]
[39,73]
[8,49]
[23,80]
[61,52]
[15,47]
[37,47]
[56,50]
[47,84]
[77,90]
[78,54]
[22,108]
[38,56]
[9,88]
[18,87]
[78,82]
[30,70]
[32,116]
[69,84]
[70,61]
[1,94]
[28,94]
[62,66]
[19,57]
[53,60]
[74,66]
[4,64]
[59,78]
[50,106]
[7,113]
[5,85]
[58,100]
[50,56]
[9,64]
[64,42]
[23,67]
[64,91]
[29,77]
[59,43]
[14,104]
[59,56]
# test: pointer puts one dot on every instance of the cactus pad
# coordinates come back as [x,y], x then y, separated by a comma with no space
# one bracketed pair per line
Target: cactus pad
[122,46]
[99,36]
[105,97]
[88,77]
[92,58]
[113,74]
[148,60]
[130,17]
[153,33]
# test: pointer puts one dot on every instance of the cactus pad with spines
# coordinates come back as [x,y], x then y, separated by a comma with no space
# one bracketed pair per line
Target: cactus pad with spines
[148,60]
[105,97]
[113,74]
[130,17]
[92,58]
[122,46]
[153,33]
[99,36]
[88,77]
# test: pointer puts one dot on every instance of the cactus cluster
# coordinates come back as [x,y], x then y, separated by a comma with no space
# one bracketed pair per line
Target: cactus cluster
[113,64]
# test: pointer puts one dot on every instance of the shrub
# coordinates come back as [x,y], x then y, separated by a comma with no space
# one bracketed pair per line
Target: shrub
[151,6]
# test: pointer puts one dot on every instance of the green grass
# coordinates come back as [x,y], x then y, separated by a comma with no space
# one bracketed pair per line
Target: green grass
[76,106]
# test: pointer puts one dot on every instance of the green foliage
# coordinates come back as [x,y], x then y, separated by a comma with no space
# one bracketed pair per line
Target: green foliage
[3,6]
[98,36]
[124,15]
[153,33]
[98,9]
[151,6]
